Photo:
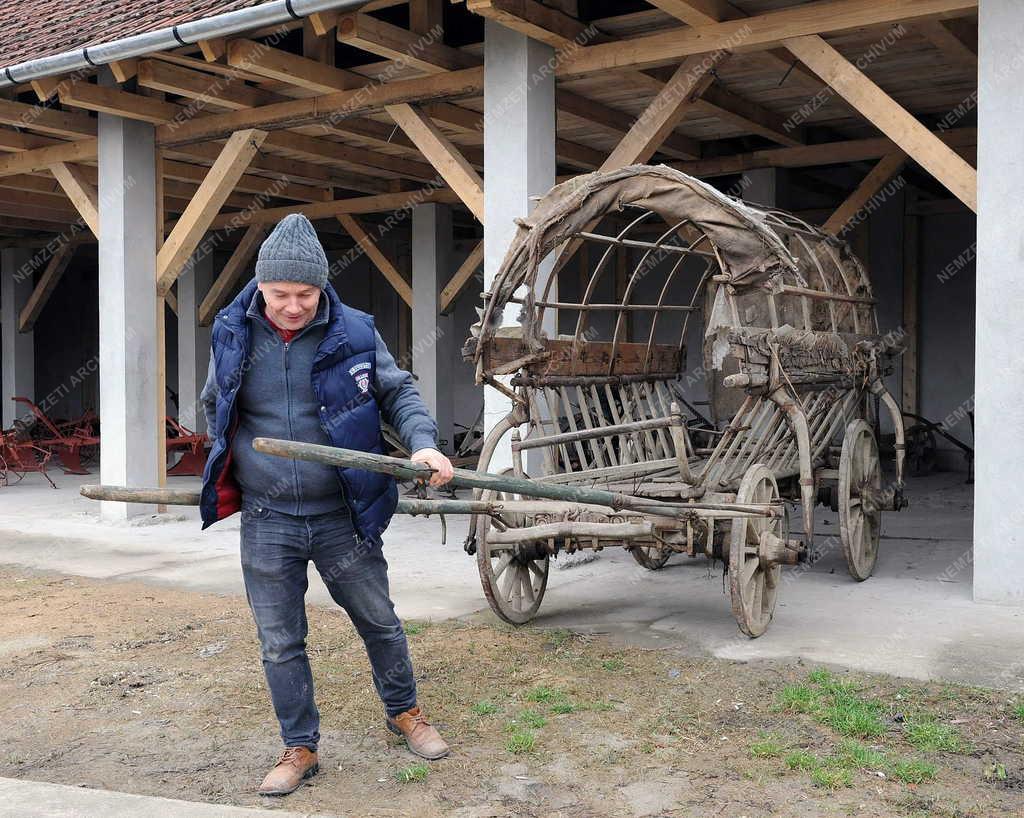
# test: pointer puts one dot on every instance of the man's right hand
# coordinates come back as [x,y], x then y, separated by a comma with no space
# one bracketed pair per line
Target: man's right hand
[442,466]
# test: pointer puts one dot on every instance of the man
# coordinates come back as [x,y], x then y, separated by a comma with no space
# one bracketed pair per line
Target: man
[289,360]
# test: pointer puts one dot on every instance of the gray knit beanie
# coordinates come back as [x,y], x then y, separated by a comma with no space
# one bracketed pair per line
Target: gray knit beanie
[292,252]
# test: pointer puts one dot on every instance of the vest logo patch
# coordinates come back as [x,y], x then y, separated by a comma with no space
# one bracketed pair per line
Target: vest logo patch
[361,375]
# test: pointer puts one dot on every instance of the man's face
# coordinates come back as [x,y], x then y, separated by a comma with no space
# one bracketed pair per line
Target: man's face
[290,305]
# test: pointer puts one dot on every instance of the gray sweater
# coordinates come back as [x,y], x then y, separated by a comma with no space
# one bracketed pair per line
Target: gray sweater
[276,399]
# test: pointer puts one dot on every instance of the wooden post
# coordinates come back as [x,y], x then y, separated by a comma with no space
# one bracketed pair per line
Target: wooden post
[911,299]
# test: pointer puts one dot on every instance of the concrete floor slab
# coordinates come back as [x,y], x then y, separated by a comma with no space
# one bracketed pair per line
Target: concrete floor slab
[37,799]
[915,617]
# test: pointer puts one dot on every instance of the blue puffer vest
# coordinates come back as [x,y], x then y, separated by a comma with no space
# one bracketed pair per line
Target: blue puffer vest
[349,414]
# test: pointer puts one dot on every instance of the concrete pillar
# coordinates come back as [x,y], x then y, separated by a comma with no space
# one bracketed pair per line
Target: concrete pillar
[18,349]
[999,338]
[519,162]
[432,333]
[127,308]
[193,340]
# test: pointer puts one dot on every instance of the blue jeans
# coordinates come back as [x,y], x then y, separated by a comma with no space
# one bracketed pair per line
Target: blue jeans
[276,549]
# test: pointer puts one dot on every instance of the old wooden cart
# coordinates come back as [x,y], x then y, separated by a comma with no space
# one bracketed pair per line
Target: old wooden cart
[600,393]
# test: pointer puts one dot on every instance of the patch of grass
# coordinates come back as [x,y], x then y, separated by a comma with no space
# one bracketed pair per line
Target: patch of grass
[767,746]
[413,628]
[613,664]
[854,716]
[413,773]
[913,771]
[798,699]
[819,676]
[485,708]
[996,771]
[563,706]
[801,760]
[927,734]
[1018,711]
[531,718]
[543,694]
[831,778]
[520,741]
[853,753]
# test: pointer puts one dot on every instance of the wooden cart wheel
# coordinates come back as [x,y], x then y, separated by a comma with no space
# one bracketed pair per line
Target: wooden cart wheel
[753,588]
[514,586]
[650,556]
[860,523]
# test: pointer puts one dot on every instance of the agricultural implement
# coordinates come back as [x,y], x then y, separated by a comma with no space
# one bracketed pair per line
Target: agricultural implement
[603,444]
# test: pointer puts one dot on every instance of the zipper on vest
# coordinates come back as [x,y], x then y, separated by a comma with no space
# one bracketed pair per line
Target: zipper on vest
[291,432]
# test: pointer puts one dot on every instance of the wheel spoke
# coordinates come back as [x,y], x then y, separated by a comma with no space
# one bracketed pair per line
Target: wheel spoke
[528,586]
[535,568]
[503,563]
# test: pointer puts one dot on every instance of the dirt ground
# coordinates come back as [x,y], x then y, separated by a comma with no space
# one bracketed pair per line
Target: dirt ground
[142,689]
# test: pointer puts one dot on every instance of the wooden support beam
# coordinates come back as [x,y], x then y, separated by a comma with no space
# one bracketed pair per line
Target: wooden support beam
[233,270]
[723,104]
[462,277]
[108,100]
[67,124]
[451,165]
[316,47]
[225,92]
[46,87]
[957,50]
[756,33]
[805,156]
[426,16]
[452,84]
[213,50]
[383,203]
[619,122]
[881,173]
[280,65]
[536,21]
[32,161]
[81,193]
[323,22]
[406,47]
[124,70]
[889,117]
[202,210]
[366,243]
[663,113]
[48,282]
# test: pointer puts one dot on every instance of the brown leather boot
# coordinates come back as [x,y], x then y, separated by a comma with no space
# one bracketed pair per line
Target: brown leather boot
[422,739]
[295,765]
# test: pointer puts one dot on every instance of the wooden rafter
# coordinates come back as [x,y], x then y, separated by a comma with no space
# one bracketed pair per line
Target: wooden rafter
[446,159]
[38,159]
[373,97]
[756,33]
[80,191]
[887,167]
[48,282]
[357,204]
[202,210]
[366,243]
[957,49]
[233,270]
[68,124]
[828,153]
[275,64]
[889,117]
[402,45]
[462,277]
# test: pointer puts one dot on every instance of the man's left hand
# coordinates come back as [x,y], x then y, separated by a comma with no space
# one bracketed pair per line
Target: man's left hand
[442,466]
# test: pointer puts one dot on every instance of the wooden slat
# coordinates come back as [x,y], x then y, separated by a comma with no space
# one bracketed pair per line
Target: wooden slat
[593,359]
[48,282]
[81,193]
[957,51]
[536,21]
[462,277]
[881,173]
[721,103]
[236,265]
[197,218]
[889,117]
[406,47]
[450,164]
[374,253]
